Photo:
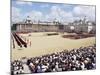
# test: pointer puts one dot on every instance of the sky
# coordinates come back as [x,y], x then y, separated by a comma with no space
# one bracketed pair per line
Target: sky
[39,11]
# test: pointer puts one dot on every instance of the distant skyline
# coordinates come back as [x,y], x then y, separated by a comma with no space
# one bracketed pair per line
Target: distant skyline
[50,11]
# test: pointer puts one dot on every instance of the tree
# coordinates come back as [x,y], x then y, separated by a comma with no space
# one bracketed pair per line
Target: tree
[13,27]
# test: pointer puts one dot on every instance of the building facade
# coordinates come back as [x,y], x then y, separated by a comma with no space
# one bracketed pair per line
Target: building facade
[76,26]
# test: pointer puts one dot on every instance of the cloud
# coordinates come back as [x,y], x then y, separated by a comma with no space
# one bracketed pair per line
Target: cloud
[57,13]
[81,11]
[16,14]
[69,16]
[35,15]
[23,3]
[44,6]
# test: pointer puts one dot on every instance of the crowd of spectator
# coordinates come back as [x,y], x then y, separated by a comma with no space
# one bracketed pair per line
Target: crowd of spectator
[83,58]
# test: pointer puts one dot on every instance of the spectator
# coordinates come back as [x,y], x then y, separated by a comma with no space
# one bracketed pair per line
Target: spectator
[83,58]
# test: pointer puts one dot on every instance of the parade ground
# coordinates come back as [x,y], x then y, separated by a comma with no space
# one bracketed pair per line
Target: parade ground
[40,44]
